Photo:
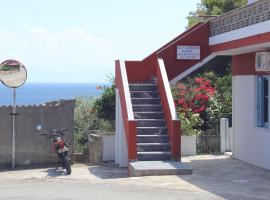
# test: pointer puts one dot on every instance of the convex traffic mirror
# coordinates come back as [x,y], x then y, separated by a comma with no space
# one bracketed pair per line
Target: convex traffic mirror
[13,74]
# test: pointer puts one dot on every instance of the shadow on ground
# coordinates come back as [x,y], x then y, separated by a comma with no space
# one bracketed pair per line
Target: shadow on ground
[108,171]
[55,173]
[230,178]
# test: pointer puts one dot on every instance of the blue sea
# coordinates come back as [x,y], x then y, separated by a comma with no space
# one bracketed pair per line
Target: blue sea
[39,93]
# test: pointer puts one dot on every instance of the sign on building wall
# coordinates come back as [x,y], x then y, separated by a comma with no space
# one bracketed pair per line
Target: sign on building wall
[188,52]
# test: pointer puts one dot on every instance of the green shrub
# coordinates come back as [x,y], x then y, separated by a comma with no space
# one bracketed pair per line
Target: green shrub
[105,105]
[85,118]
[190,125]
[94,114]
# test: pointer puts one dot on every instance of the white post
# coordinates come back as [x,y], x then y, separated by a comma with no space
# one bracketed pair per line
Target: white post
[234,104]
[13,128]
[117,126]
[223,134]
[228,137]
[123,150]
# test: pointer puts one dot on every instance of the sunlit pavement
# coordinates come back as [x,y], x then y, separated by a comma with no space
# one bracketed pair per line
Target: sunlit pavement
[214,177]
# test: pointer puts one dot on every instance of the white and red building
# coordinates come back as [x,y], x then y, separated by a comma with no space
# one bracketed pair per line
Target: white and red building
[244,34]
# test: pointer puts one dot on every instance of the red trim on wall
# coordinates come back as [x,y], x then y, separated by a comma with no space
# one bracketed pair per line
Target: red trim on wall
[132,139]
[175,138]
[244,64]
[252,40]
[138,71]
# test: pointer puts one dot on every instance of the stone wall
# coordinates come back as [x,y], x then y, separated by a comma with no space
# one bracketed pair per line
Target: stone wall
[32,148]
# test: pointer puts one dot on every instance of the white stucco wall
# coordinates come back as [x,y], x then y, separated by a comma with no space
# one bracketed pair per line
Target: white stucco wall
[251,144]
[188,145]
[108,147]
[251,1]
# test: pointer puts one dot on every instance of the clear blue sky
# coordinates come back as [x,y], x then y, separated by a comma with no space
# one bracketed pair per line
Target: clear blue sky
[78,40]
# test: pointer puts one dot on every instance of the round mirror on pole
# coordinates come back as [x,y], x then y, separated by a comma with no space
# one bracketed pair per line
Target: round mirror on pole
[13,74]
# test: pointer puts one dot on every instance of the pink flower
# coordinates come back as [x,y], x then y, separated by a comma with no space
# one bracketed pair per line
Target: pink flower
[181,86]
[98,87]
[199,80]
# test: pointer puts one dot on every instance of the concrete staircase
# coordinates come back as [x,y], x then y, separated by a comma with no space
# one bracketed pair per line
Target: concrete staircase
[153,145]
[152,138]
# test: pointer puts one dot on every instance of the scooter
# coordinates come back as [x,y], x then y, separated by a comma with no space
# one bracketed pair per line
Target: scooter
[60,145]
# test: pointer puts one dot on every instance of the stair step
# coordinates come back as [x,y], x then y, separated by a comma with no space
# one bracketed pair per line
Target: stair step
[148,115]
[152,138]
[142,84]
[142,87]
[145,101]
[147,108]
[144,147]
[154,155]
[157,168]
[151,122]
[144,94]
[152,130]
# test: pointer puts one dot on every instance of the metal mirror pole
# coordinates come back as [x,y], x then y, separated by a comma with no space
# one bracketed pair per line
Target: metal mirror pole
[13,128]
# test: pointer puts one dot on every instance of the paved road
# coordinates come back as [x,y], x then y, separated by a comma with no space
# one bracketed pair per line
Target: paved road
[83,190]
[214,177]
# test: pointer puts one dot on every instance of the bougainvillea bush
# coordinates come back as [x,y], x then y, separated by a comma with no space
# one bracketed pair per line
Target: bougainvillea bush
[200,103]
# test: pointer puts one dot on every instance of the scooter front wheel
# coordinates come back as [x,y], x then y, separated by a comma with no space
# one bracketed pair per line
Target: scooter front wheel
[67,165]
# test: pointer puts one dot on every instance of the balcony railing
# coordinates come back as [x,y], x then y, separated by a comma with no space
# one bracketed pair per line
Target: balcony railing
[242,17]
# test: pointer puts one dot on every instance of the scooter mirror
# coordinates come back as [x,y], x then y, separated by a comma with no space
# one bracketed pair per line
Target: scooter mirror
[39,127]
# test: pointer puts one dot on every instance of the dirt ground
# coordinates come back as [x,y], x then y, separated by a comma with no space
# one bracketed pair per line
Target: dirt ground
[214,177]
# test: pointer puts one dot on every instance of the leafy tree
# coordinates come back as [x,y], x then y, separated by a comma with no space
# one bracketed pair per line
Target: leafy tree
[105,105]
[85,118]
[213,7]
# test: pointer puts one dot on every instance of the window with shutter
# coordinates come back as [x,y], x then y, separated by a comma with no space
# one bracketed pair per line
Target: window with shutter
[262,102]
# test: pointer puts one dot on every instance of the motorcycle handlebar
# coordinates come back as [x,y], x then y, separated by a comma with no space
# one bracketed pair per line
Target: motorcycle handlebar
[59,131]
[54,131]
